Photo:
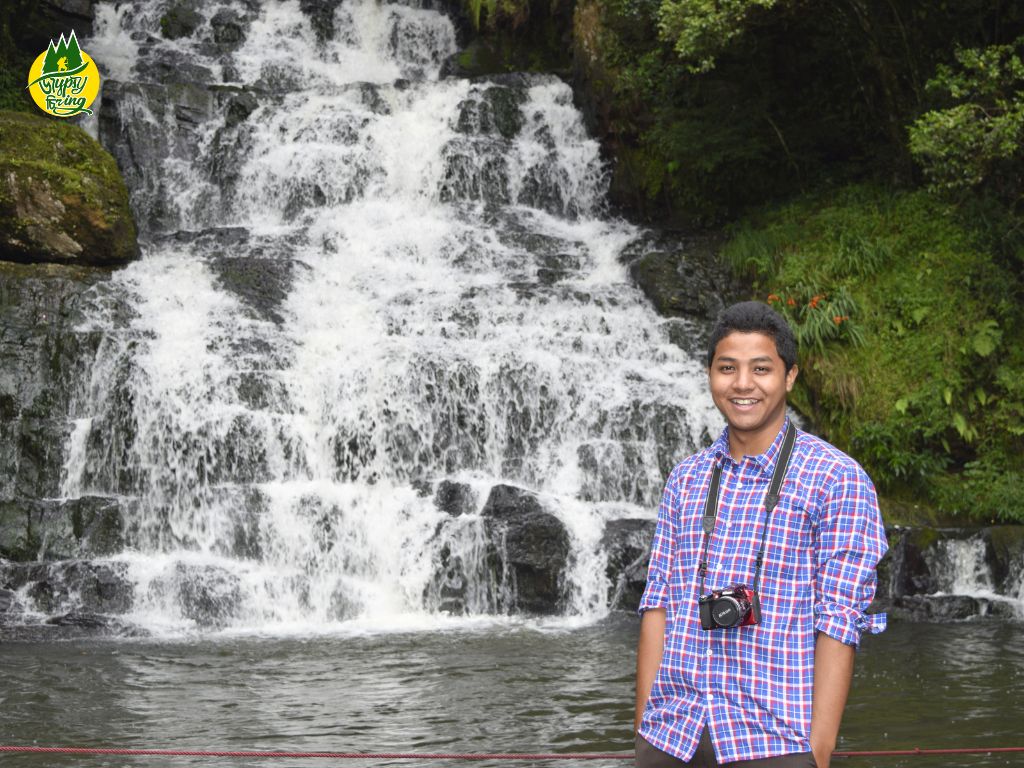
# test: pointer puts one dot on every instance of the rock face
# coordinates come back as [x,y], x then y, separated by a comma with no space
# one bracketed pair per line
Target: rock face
[57,529]
[62,198]
[531,544]
[628,543]
[43,359]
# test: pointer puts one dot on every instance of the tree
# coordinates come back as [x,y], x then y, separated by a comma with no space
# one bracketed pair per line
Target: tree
[977,141]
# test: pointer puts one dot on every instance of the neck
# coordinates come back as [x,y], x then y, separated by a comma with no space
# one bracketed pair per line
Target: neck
[742,443]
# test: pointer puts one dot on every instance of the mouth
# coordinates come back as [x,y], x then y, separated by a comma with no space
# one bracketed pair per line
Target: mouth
[744,402]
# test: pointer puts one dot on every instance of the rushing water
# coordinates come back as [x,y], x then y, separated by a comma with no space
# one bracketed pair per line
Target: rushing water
[359,280]
[503,687]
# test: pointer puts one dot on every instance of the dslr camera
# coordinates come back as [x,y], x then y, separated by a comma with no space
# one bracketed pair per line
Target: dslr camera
[734,606]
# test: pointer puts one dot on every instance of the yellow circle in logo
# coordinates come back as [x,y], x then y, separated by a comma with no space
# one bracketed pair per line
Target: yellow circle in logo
[64,92]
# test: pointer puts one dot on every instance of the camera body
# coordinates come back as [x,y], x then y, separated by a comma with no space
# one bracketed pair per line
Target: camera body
[734,606]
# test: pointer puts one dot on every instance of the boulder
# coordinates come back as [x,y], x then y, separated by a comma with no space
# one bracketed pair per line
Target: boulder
[180,20]
[227,28]
[62,198]
[455,498]
[628,544]
[1006,549]
[531,545]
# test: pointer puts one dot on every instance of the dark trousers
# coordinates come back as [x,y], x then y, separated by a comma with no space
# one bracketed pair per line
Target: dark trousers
[648,756]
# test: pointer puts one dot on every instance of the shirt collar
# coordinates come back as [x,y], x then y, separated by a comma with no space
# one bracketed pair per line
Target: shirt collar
[765,461]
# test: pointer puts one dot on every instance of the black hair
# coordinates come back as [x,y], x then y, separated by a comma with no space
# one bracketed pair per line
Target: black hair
[755,317]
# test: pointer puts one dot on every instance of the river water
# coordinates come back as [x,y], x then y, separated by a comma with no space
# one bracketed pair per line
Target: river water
[500,686]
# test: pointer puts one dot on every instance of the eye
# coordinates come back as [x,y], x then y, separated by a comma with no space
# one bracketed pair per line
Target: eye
[726,368]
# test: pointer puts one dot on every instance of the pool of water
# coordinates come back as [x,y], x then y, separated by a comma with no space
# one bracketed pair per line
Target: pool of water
[493,687]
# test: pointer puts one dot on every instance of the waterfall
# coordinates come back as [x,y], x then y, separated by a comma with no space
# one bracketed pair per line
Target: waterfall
[961,567]
[360,283]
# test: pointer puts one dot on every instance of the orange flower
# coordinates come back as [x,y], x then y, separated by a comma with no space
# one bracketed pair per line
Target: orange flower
[791,301]
[814,301]
[772,298]
[838,319]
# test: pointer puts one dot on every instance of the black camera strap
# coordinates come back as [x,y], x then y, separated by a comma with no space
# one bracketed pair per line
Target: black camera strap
[771,500]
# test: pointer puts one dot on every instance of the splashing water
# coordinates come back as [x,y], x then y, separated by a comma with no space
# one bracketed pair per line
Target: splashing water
[359,281]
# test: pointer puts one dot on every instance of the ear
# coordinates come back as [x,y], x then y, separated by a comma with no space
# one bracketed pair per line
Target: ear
[791,377]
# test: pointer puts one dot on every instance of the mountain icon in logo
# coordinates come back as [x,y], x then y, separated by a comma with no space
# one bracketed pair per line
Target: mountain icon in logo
[64,58]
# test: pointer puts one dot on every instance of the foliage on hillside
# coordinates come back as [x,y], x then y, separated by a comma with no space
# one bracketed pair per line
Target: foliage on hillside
[909,326]
[715,106]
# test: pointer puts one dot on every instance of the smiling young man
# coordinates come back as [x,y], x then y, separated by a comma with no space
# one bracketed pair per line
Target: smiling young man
[758,676]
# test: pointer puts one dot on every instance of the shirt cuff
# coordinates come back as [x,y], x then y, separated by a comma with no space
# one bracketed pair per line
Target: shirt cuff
[847,625]
[655,596]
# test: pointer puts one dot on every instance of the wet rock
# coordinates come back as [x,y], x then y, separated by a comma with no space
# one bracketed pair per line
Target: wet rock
[8,600]
[1006,549]
[904,570]
[532,544]
[497,110]
[70,585]
[455,498]
[53,529]
[628,544]
[169,66]
[208,595]
[683,278]
[227,28]
[239,107]
[262,284]
[80,620]
[44,357]
[62,198]
[181,20]
[321,16]
[925,608]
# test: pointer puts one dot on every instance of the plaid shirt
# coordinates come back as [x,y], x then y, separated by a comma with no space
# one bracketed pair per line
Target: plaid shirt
[752,685]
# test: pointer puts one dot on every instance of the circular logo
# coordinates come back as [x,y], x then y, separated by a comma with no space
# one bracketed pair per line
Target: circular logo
[64,80]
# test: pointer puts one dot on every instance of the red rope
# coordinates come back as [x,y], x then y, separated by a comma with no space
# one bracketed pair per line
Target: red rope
[453,755]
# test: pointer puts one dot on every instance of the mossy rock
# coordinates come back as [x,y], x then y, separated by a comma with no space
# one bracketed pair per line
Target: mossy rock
[62,198]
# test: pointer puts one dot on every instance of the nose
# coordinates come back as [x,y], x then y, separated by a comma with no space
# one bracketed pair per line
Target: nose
[744,379]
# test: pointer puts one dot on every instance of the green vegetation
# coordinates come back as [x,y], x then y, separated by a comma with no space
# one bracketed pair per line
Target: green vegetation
[716,106]
[909,329]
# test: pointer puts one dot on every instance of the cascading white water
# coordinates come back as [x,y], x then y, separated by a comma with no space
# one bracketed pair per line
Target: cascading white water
[376,281]
[961,567]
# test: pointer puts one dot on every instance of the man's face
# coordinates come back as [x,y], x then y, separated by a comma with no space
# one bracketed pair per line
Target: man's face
[748,383]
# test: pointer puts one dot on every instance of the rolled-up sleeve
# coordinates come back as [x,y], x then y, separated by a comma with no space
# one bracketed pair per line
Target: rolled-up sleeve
[656,592]
[850,542]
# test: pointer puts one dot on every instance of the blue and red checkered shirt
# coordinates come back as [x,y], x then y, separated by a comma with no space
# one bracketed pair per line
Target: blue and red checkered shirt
[752,686]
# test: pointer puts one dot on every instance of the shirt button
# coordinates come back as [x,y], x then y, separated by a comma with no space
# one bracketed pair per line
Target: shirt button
[711,697]
[710,654]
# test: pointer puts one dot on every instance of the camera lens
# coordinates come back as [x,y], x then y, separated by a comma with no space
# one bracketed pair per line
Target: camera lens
[726,612]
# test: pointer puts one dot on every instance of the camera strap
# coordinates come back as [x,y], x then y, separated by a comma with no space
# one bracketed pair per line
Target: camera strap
[771,500]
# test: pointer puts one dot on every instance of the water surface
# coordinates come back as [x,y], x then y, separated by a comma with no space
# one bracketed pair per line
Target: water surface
[477,688]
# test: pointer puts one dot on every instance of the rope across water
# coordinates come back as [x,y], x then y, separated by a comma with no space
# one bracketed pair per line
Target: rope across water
[475,756]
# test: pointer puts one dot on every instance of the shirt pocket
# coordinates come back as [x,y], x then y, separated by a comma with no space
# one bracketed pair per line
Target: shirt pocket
[788,554]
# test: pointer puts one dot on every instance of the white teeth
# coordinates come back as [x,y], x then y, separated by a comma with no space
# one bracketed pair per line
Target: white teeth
[744,402]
